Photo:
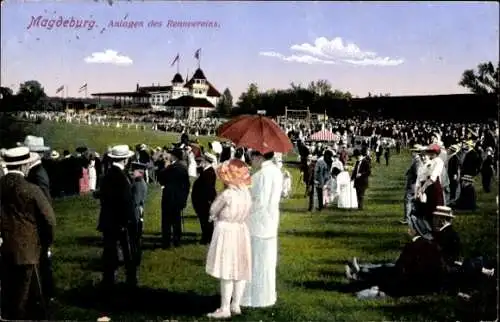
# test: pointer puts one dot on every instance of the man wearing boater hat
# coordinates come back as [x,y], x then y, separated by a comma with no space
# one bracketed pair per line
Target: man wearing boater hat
[203,194]
[27,227]
[118,221]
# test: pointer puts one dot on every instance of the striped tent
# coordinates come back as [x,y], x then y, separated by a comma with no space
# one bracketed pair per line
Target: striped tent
[324,135]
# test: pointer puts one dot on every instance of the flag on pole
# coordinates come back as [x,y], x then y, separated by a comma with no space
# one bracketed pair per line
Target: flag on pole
[176,59]
[84,87]
[197,54]
[60,89]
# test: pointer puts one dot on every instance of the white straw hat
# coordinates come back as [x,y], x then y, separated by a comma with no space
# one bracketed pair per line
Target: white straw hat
[20,155]
[443,211]
[120,152]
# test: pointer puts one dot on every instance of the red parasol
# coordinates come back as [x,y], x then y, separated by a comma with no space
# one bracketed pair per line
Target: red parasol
[256,132]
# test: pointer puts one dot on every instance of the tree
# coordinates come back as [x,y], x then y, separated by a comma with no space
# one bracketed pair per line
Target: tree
[320,87]
[483,81]
[31,95]
[225,103]
[249,100]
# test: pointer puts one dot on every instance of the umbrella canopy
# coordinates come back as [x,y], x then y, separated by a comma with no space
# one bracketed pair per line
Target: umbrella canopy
[256,132]
[324,135]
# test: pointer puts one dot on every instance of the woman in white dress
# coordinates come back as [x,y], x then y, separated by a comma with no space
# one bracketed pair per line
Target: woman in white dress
[191,161]
[92,173]
[229,256]
[347,198]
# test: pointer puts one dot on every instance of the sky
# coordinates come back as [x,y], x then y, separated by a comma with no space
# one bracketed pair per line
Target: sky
[397,48]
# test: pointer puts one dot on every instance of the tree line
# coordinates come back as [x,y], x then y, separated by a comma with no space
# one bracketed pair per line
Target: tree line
[319,96]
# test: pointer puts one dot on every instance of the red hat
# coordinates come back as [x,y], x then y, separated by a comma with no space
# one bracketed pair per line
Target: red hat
[434,148]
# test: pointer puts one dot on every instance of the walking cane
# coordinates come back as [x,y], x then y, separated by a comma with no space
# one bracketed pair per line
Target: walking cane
[182,219]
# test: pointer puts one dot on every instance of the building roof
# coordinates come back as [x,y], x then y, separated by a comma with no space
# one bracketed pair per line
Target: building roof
[122,94]
[177,79]
[198,74]
[154,88]
[189,101]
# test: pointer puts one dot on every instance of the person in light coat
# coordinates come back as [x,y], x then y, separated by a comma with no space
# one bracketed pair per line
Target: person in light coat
[229,256]
[267,184]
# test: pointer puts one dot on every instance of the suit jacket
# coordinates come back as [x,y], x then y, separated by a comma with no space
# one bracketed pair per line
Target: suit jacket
[449,243]
[176,185]
[37,175]
[453,167]
[140,192]
[412,174]
[117,201]
[471,164]
[363,168]
[419,269]
[27,220]
[321,173]
[204,192]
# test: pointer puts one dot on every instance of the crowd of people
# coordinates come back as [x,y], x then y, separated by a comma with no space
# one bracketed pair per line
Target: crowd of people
[240,224]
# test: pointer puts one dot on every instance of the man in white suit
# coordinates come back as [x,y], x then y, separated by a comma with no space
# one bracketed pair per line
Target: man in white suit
[267,185]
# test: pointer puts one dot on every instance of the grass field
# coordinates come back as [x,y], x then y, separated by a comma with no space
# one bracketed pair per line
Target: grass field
[313,249]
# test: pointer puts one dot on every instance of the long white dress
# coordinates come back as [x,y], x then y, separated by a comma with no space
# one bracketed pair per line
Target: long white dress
[347,198]
[92,176]
[192,165]
[267,184]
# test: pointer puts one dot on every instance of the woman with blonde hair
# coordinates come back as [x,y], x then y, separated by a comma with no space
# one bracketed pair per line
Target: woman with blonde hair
[229,256]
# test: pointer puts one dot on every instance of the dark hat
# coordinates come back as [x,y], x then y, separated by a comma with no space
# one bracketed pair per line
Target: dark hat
[356,153]
[138,166]
[82,149]
[177,152]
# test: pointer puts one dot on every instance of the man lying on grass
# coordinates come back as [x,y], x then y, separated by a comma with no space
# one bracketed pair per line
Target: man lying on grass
[422,268]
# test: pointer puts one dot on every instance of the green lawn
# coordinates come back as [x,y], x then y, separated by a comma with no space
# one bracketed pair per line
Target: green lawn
[312,253]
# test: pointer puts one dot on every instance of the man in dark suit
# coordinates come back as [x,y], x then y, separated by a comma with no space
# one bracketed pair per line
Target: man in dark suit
[117,220]
[140,192]
[27,227]
[203,194]
[419,269]
[472,162]
[453,168]
[411,180]
[38,176]
[175,181]
[362,170]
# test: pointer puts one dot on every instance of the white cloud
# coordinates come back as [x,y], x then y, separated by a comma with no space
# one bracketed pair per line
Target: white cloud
[305,59]
[108,57]
[378,61]
[336,50]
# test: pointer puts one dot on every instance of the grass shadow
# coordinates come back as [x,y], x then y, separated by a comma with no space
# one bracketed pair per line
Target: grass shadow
[146,301]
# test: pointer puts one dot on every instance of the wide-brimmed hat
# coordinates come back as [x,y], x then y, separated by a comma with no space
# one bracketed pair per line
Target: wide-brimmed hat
[234,172]
[433,148]
[216,147]
[443,211]
[120,152]
[54,154]
[420,226]
[417,147]
[454,148]
[35,144]
[209,157]
[468,178]
[19,156]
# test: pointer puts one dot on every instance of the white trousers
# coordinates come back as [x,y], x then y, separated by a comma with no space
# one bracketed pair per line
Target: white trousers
[261,290]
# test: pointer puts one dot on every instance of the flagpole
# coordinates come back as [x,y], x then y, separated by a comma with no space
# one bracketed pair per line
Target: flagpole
[199,59]
[86,96]
[178,64]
